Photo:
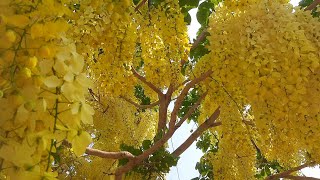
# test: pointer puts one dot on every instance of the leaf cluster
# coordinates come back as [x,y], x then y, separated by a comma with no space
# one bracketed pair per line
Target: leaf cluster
[190,99]
[205,144]
[205,170]
[186,6]
[265,167]
[157,163]
[139,93]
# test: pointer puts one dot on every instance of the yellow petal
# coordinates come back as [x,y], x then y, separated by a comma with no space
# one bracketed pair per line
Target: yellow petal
[18,20]
[80,143]
[52,81]
[86,114]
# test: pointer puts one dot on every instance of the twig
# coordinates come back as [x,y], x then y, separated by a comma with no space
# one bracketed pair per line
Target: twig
[140,106]
[140,5]
[143,79]
[110,155]
[97,99]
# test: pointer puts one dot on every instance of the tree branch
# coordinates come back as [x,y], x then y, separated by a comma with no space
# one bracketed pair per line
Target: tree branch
[288,172]
[191,110]
[143,79]
[210,122]
[199,39]
[158,144]
[97,99]
[109,155]
[164,100]
[139,105]
[163,108]
[300,177]
[138,159]
[184,92]
[312,5]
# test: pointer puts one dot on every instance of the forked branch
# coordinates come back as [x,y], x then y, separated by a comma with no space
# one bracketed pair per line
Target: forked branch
[190,111]
[138,159]
[210,122]
[184,92]
[163,108]
[164,100]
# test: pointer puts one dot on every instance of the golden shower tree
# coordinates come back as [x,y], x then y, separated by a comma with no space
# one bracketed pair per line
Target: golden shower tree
[86,85]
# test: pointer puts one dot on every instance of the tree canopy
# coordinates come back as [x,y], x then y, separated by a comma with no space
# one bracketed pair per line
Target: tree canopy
[94,89]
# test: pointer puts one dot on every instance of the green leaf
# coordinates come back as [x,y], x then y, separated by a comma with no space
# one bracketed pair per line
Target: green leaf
[198,52]
[258,176]
[139,93]
[187,18]
[155,3]
[56,157]
[130,149]
[187,103]
[186,6]
[190,3]
[305,3]
[204,11]
[159,135]
[135,2]
[146,144]
[268,172]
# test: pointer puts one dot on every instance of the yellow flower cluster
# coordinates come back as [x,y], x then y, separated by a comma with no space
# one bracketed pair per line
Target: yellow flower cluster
[241,4]
[164,44]
[42,88]
[119,123]
[105,33]
[267,56]
[113,38]
[235,158]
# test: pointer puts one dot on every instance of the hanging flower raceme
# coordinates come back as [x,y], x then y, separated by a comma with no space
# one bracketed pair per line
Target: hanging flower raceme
[266,56]
[43,89]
